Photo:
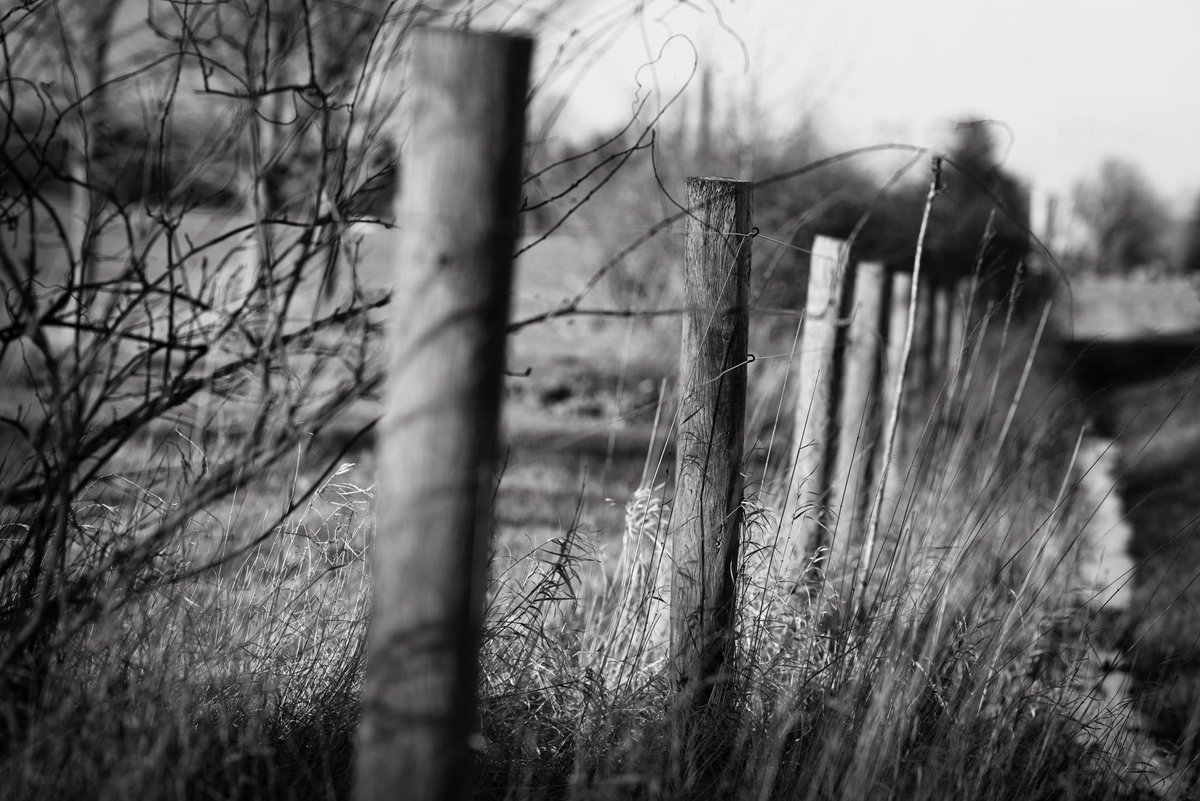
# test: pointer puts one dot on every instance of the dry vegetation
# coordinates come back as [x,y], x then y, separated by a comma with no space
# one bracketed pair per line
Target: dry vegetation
[968,678]
[185,519]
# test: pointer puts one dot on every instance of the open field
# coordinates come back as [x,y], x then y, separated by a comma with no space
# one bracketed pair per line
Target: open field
[581,401]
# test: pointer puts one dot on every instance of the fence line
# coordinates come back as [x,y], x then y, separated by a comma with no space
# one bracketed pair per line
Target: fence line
[438,442]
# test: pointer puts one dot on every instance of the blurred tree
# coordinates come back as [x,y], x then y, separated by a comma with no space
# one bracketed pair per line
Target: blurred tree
[1124,215]
[977,220]
[978,223]
[155,338]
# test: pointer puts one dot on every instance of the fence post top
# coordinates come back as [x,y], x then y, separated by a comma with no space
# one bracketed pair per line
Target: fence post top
[716,179]
[435,34]
[829,247]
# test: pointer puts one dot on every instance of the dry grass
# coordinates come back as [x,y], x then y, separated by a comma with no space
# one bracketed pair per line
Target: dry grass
[967,677]
[227,683]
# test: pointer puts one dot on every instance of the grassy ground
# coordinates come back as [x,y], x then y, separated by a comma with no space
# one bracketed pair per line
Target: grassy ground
[962,681]
[966,678]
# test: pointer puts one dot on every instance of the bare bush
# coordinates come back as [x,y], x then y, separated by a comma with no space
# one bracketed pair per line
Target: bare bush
[160,352]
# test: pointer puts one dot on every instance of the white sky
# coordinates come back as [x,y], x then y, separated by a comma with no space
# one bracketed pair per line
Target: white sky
[1075,80]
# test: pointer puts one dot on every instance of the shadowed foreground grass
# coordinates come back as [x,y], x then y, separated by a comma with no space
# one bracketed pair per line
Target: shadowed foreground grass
[966,677]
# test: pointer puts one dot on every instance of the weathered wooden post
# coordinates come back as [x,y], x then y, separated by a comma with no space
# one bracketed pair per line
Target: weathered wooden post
[858,423]
[956,339]
[897,323]
[940,345]
[893,363]
[806,512]
[437,449]
[921,374]
[707,511]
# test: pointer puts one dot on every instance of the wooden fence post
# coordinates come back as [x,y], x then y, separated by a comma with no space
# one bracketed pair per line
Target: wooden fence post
[956,340]
[940,345]
[806,511]
[707,510]
[921,360]
[897,322]
[858,423]
[437,447]
[893,363]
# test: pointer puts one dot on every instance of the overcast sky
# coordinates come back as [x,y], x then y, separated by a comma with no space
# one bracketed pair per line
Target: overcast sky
[1074,80]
